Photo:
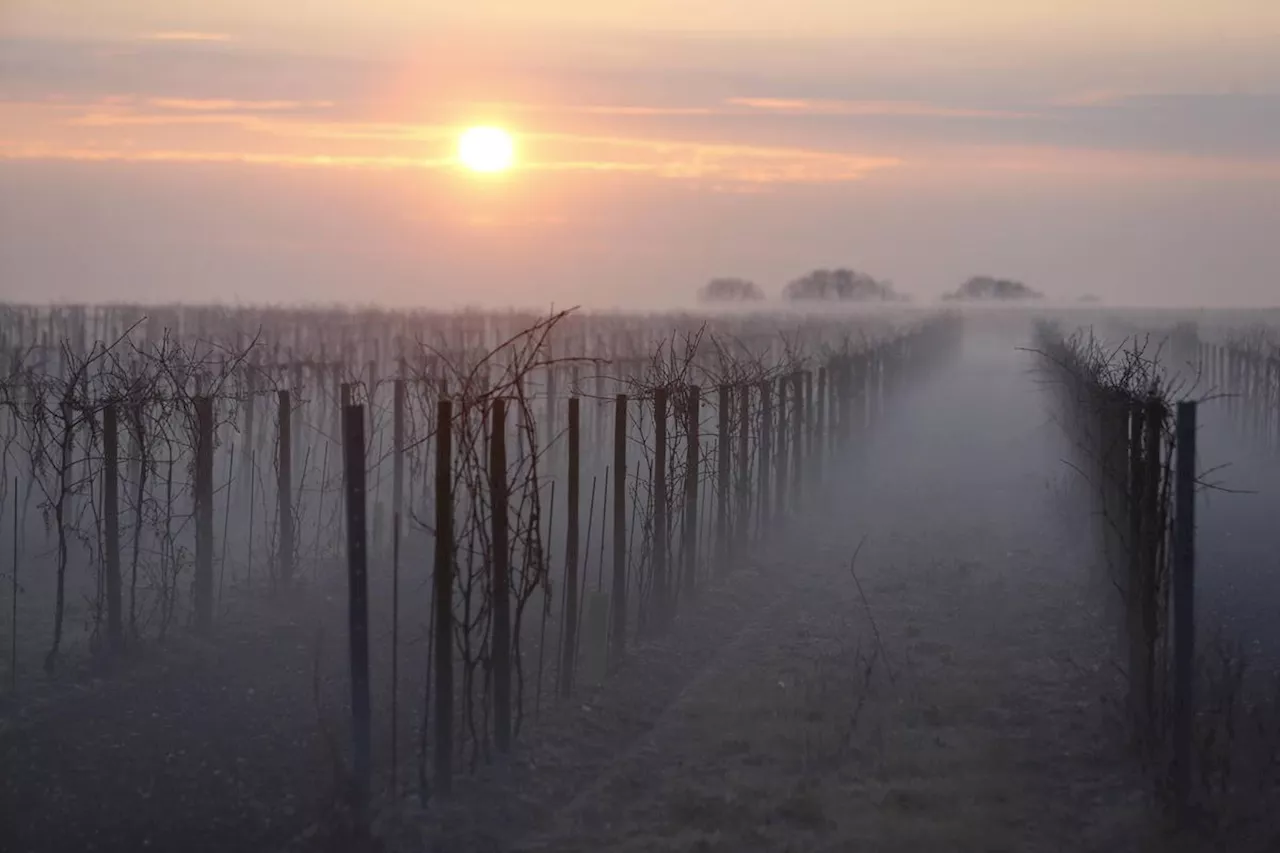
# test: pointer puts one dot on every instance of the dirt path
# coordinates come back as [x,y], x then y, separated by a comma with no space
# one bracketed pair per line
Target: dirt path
[967,717]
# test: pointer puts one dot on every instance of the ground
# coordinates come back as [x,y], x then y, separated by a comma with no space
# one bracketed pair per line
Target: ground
[947,689]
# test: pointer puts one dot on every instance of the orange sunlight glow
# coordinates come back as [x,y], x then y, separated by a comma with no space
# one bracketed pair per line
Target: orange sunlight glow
[486,149]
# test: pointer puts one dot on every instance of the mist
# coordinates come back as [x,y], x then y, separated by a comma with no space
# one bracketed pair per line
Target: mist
[750,426]
[868,579]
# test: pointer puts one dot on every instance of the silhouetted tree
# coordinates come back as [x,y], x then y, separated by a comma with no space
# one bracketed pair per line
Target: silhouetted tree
[730,290]
[985,287]
[843,285]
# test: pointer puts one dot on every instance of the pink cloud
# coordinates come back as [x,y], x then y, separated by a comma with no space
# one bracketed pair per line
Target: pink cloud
[105,154]
[1092,98]
[264,133]
[186,35]
[805,106]
[226,105]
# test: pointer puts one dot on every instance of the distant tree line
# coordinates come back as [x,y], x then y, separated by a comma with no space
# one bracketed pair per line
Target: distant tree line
[730,290]
[986,289]
[849,285]
[842,285]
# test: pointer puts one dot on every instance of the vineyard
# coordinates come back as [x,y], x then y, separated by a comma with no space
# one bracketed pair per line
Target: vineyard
[403,552]
[1156,415]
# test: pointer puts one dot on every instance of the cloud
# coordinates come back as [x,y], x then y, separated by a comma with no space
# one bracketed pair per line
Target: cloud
[738,106]
[265,133]
[124,155]
[802,106]
[1091,98]
[723,164]
[186,35]
[713,161]
[619,110]
[750,140]
[232,105]
[701,107]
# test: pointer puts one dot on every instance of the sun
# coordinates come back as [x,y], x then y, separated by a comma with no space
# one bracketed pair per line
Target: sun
[486,149]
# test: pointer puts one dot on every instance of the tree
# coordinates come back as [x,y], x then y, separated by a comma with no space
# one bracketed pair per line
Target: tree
[841,284]
[730,290]
[985,287]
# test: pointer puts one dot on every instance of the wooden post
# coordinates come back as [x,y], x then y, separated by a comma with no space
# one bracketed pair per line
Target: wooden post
[1184,604]
[203,590]
[1152,534]
[564,677]
[661,593]
[722,480]
[13,603]
[877,384]
[765,454]
[344,400]
[864,384]
[784,481]
[800,394]
[111,513]
[371,382]
[619,628]
[357,606]
[1233,386]
[284,490]
[851,396]
[689,542]
[1275,405]
[888,369]
[820,423]
[1215,368]
[400,399]
[810,419]
[296,444]
[501,582]
[251,383]
[1253,397]
[1268,404]
[443,599]
[1139,679]
[1112,472]
[341,398]
[1264,402]
[743,490]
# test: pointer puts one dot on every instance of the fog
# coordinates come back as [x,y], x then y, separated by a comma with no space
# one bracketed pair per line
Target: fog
[826,426]
[900,628]
[231,233]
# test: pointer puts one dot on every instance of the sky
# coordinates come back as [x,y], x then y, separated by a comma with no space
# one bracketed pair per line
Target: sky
[303,150]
